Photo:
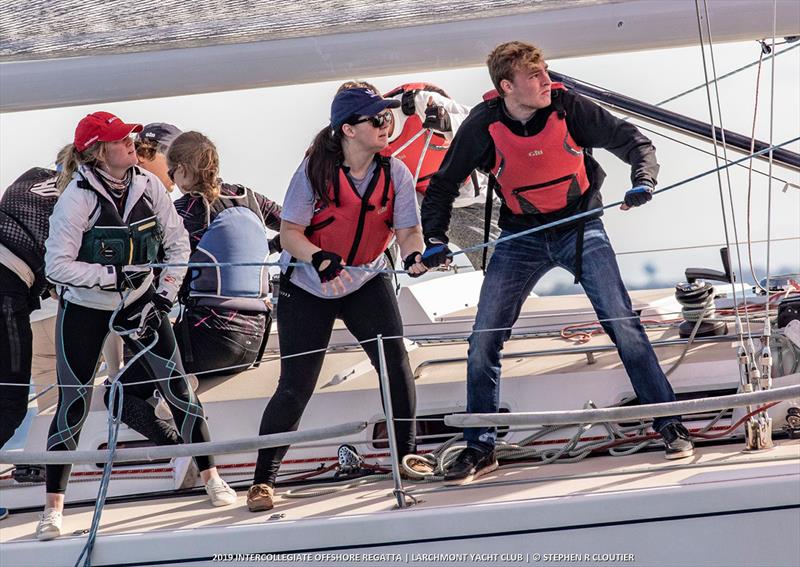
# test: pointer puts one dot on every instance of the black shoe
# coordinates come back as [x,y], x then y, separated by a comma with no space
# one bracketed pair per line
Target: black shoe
[3,513]
[469,465]
[677,441]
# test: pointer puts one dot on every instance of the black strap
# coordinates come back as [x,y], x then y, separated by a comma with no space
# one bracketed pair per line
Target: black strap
[390,259]
[487,220]
[579,251]
[186,347]
[476,186]
[264,340]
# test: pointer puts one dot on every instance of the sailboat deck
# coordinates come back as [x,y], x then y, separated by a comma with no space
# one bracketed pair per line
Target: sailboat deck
[612,478]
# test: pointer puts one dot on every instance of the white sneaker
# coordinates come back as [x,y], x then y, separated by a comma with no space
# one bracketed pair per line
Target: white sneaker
[49,525]
[184,472]
[220,493]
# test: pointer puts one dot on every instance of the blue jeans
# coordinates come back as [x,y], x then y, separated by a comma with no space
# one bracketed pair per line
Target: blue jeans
[513,271]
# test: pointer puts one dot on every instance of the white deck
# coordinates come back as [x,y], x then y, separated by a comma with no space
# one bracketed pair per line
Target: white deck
[713,499]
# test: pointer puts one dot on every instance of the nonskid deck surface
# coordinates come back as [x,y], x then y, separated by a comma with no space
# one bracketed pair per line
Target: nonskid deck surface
[594,477]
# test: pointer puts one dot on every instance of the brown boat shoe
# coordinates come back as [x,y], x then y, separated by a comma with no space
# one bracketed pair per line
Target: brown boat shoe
[260,498]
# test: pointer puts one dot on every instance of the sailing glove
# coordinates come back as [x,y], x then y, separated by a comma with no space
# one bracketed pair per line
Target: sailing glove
[275,244]
[436,252]
[333,265]
[437,118]
[409,261]
[638,196]
[130,277]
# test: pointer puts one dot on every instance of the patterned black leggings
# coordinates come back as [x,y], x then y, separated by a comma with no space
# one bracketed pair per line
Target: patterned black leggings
[80,333]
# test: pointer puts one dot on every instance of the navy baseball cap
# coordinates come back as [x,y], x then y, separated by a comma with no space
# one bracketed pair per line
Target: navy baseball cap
[358,102]
[159,132]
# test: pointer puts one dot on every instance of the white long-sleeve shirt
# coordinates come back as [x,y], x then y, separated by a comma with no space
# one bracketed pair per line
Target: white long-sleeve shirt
[76,212]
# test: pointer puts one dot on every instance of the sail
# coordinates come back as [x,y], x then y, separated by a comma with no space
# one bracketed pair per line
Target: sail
[56,53]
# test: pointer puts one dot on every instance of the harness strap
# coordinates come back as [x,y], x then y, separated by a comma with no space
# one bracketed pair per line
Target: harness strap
[264,339]
[487,220]
[579,251]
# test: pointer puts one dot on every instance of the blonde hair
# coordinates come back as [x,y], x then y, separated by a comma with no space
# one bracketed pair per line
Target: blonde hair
[198,155]
[70,159]
[508,57]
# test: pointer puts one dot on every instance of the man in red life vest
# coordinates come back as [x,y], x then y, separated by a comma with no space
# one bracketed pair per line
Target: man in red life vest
[532,136]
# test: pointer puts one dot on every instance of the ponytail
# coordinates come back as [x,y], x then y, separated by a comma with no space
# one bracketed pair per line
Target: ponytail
[198,155]
[324,155]
[69,159]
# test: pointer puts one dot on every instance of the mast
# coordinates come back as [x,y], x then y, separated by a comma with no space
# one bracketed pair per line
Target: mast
[678,122]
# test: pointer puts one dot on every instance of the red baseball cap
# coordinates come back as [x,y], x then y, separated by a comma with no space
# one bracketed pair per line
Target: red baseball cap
[101,127]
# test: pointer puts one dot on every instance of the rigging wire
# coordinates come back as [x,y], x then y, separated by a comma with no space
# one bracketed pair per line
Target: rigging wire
[727,171]
[771,132]
[773,54]
[750,173]
[717,161]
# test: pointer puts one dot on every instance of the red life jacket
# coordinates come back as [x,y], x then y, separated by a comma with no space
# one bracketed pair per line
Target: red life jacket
[356,228]
[542,173]
[410,153]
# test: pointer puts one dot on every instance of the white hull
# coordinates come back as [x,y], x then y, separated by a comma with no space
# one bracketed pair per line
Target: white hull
[722,508]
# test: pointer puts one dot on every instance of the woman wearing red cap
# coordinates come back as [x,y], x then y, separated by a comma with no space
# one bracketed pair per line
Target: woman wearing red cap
[344,205]
[108,224]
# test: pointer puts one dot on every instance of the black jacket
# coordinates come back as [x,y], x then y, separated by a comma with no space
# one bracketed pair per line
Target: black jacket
[25,210]
[473,148]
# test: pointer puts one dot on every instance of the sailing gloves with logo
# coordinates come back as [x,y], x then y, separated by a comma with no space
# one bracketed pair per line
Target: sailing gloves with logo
[638,196]
[127,277]
[148,320]
[436,252]
[327,264]
[409,261]
[437,118]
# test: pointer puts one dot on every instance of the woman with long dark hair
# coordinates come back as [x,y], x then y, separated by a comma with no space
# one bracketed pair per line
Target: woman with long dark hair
[344,205]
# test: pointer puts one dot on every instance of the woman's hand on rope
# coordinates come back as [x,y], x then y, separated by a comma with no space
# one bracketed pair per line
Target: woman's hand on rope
[413,264]
[148,320]
[130,277]
[331,272]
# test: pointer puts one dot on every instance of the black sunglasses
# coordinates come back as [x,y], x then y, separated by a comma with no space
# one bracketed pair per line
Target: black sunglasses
[378,121]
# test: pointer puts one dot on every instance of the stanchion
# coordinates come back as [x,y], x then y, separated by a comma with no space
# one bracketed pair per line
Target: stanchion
[383,375]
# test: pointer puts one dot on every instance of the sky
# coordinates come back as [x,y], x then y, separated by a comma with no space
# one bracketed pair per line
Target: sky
[261,135]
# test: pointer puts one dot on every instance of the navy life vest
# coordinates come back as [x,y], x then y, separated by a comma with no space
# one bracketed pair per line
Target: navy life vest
[236,234]
[114,241]
[410,152]
[539,174]
[25,210]
[357,228]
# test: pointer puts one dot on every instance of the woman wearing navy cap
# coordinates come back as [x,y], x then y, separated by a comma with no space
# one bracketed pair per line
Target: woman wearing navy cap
[108,224]
[344,205]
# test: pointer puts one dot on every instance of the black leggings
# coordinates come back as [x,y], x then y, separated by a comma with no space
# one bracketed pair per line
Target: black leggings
[80,333]
[16,352]
[210,349]
[305,323]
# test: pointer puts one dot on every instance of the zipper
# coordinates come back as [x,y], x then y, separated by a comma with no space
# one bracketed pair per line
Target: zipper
[519,190]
